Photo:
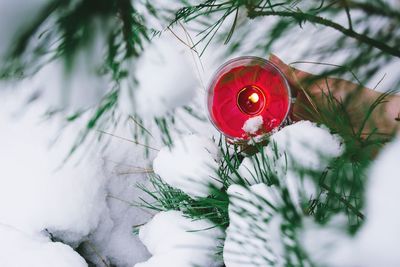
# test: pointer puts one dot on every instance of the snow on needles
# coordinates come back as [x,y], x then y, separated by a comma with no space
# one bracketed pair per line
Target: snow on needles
[190,165]
[307,145]
[253,237]
[176,241]
[302,145]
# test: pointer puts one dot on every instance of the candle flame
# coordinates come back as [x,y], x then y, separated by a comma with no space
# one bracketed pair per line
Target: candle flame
[254,97]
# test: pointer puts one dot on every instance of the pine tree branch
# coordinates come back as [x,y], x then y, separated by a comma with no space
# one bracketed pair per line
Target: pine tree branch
[301,16]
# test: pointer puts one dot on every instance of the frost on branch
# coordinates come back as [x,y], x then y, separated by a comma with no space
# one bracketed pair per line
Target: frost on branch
[177,241]
[190,165]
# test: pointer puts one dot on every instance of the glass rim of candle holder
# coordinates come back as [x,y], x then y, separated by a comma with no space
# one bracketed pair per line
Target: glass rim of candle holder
[247,61]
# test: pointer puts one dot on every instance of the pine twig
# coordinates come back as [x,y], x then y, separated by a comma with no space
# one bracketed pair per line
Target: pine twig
[131,141]
[301,16]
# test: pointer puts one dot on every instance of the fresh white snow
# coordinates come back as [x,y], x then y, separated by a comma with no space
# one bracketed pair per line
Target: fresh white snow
[175,240]
[18,249]
[306,145]
[379,237]
[38,191]
[86,199]
[190,165]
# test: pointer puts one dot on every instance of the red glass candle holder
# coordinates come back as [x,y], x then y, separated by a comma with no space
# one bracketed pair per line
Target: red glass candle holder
[244,88]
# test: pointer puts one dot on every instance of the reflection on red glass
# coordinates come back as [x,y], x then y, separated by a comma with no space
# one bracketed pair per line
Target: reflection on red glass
[244,88]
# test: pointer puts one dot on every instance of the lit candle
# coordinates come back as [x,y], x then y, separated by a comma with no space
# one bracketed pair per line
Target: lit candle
[244,88]
[251,100]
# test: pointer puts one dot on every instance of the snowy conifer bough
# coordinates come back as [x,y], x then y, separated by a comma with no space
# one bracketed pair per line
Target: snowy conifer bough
[256,222]
[315,195]
[278,207]
[261,201]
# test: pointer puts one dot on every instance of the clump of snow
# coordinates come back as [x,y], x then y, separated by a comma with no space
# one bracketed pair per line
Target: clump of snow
[377,242]
[18,249]
[301,189]
[252,125]
[175,240]
[253,237]
[166,79]
[190,165]
[38,191]
[306,145]
[175,258]
[322,241]
[87,199]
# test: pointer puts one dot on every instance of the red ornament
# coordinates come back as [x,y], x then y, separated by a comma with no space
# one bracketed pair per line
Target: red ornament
[246,87]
